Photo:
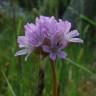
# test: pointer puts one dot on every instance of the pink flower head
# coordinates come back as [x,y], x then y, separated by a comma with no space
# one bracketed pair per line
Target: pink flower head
[49,36]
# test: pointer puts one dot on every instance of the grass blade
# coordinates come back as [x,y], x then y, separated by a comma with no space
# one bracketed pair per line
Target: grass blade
[9,85]
[79,66]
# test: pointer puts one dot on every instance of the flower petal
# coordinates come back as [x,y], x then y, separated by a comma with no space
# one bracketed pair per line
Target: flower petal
[53,56]
[76,40]
[36,39]
[67,26]
[62,54]
[46,48]
[29,27]
[73,33]
[22,40]
[21,52]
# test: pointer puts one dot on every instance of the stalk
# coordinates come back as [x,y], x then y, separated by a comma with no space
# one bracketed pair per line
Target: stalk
[40,83]
[54,78]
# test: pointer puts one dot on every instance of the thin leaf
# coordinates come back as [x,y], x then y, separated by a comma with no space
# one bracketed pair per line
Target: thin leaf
[85,18]
[9,85]
[79,66]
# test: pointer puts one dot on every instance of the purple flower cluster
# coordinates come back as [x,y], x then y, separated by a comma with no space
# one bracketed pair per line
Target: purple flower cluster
[48,36]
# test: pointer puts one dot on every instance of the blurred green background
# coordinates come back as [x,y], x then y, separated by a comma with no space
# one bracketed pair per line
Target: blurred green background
[76,75]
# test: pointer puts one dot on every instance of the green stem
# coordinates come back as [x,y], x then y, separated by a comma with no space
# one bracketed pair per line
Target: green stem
[54,79]
[40,85]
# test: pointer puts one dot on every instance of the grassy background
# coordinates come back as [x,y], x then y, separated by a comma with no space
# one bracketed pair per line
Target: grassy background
[76,75]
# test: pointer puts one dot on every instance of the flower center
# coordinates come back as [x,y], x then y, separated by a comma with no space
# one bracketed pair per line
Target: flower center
[53,49]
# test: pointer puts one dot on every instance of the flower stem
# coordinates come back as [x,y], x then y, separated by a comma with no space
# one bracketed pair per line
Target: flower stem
[54,79]
[40,85]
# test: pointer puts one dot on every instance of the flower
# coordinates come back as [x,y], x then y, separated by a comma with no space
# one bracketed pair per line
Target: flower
[48,36]
[70,36]
[23,43]
[48,25]
[55,49]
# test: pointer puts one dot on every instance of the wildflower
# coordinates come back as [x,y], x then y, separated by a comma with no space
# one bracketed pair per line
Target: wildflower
[48,36]
[55,49]
[48,25]
[33,33]
[23,43]
[69,36]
